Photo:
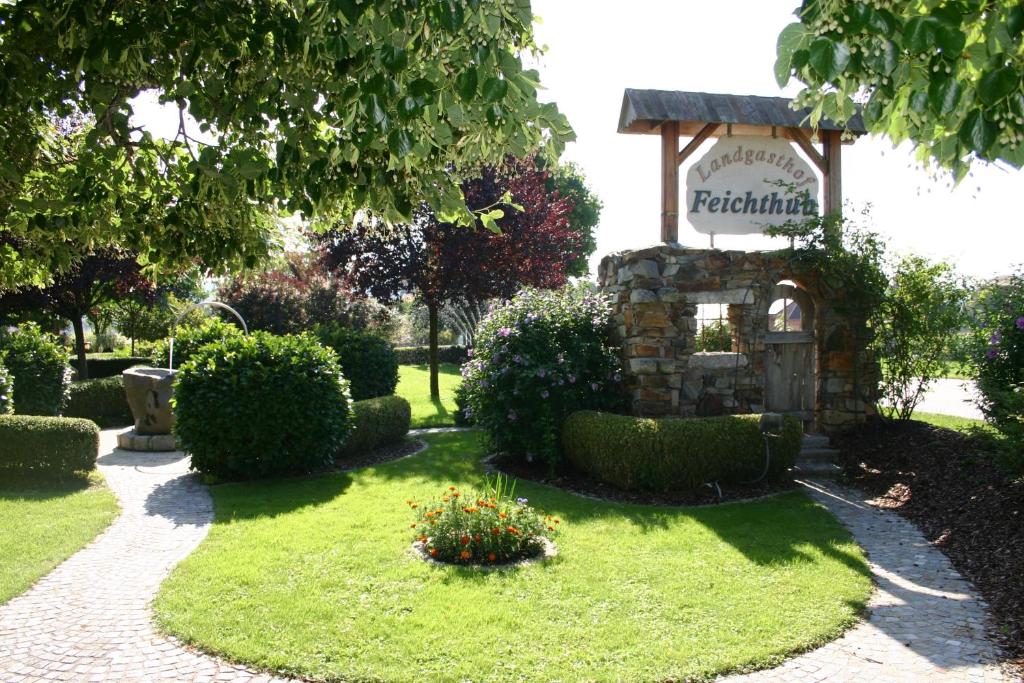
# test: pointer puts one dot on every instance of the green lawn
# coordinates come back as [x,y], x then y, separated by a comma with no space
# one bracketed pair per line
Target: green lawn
[314,577]
[43,523]
[414,387]
[960,424]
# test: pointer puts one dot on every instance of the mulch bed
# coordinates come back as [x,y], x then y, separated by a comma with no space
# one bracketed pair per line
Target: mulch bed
[956,494]
[583,485]
[381,455]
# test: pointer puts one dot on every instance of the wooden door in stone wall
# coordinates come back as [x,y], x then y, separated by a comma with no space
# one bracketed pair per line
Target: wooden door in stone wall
[790,362]
[789,373]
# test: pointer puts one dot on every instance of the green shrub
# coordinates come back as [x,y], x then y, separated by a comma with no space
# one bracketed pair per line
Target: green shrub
[190,338]
[462,418]
[48,445]
[676,453]
[377,422]
[367,361]
[420,355]
[101,400]
[714,336]
[259,405]
[40,368]
[6,392]
[483,527]
[538,358]
[105,365]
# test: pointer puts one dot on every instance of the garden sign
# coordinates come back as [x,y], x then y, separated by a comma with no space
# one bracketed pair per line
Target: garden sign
[746,183]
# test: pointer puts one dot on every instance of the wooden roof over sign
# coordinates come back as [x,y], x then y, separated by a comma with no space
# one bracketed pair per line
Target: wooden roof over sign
[644,111]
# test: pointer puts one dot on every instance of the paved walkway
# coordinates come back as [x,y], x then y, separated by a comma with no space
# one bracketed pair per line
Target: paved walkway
[926,623]
[89,620]
[951,397]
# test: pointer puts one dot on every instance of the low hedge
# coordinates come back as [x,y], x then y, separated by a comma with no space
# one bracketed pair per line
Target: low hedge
[48,445]
[676,453]
[367,360]
[101,400]
[110,366]
[420,355]
[377,422]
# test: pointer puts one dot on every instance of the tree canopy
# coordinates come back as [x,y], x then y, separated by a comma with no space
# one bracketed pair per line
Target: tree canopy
[947,75]
[315,107]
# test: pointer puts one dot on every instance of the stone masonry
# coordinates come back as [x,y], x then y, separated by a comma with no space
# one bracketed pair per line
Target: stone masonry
[655,293]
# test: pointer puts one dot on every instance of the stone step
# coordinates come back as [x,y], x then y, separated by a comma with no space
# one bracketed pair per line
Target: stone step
[820,454]
[816,468]
[816,441]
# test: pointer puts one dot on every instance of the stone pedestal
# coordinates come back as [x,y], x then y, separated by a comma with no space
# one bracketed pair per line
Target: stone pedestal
[149,392]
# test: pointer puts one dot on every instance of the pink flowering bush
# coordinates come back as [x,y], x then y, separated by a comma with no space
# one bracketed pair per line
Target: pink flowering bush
[537,358]
[1000,363]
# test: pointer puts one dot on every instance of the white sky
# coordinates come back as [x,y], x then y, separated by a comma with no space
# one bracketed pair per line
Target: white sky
[597,48]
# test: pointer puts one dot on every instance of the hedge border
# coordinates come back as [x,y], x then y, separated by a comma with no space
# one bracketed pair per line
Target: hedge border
[49,445]
[377,422]
[420,355]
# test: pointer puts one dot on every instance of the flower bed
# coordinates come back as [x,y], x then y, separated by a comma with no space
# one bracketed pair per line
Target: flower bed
[488,527]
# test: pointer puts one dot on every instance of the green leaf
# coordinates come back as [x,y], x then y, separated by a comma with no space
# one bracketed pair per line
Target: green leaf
[882,22]
[490,218]
[400,143]
[790,40]
[944,94]
[919,102]
[995,85]
[977,133]
[884,62]
[919,34]
[828,58]
[1015,21]
[465,84]
[951,39]
[495,89]
[407,108]
[394,58]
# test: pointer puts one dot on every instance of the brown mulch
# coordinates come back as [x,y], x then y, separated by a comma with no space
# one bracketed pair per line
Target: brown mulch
[581,484]
[950,487]
[381,455]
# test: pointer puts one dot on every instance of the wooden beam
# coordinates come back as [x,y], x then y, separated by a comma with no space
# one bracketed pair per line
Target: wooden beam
[669,182]
[801,138]
[832,140]
[693,144]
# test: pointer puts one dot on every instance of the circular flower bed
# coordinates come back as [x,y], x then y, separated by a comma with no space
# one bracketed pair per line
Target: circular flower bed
[483,528]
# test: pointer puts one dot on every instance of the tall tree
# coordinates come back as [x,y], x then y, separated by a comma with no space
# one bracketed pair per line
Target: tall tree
[567,179]
[532,243]
[96,279]
[313,107]
[948,76]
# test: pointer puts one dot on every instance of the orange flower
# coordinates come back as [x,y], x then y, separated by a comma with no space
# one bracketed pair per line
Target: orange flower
[502,515]
[433,552]
[456,494]
[512,530]
[495,531]
[465,540]
[414,506]
[476,537]
[451,488]
[422,539]
[464,554]
[429,514]
[412,526]
[492,557]
[551,528]
[445,498]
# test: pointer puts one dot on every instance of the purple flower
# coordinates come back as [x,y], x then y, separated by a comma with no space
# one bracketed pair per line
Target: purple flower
[991,353]
[593,385]
[469,353]
[996,337]
[617,377]
[522,501]
[572,379]
[542,372]
[505,331]
[1020,323]
[544,394]
[517,359]
[512,416]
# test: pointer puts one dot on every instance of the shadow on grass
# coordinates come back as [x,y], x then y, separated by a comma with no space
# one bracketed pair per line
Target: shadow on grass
[37,486]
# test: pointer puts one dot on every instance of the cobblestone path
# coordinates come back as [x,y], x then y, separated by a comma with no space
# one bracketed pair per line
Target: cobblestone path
[90,620]
[926,622]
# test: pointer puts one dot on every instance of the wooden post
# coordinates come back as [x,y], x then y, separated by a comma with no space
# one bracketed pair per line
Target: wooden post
[832,145]
[669,181]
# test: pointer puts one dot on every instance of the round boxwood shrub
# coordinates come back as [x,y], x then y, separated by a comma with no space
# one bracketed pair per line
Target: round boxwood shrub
[101,400]
[377,422]
[538,358]
[671,453]
[190,338]
[39,365]
[259,405]
[368,361]
[48,445]
[6,392]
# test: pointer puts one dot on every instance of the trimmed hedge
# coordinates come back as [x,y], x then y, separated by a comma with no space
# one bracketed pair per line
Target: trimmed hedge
[111,366]
[420,355]
[39,365]
[377,422]
[367,361]
[101,400]
[48,445]
[261,405]
[676,453]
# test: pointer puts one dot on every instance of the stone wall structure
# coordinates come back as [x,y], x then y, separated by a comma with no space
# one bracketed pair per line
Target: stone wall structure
[655,293]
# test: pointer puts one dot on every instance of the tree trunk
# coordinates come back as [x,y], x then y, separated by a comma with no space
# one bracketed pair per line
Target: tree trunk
[435,391]
[83,367]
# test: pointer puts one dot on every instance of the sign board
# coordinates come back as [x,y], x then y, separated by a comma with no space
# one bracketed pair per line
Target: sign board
[745,183]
